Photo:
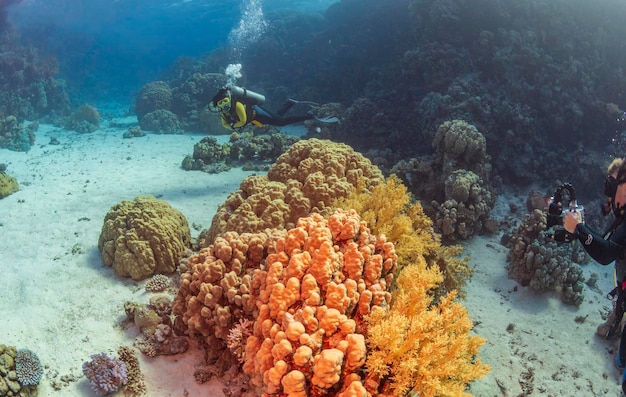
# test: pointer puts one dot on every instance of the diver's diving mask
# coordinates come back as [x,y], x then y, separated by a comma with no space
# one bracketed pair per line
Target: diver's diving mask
[223,105]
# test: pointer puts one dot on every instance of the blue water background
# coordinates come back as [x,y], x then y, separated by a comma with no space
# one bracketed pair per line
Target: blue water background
[108,49]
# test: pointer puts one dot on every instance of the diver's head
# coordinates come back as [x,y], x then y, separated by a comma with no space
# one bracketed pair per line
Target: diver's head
[619,191]
[221,102]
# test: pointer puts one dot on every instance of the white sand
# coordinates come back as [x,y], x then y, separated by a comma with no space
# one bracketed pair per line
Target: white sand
[66,306]
[547,353]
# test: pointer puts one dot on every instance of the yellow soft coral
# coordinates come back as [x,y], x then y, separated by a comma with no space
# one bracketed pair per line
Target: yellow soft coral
[388,210]
[421,348]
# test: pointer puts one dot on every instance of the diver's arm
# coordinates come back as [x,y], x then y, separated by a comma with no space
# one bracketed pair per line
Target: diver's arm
[225,122]
[241,115]
[601,250]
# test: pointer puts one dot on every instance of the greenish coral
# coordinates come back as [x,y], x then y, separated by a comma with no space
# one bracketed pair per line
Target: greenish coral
[8,185]
[460,145]
[85,119]
[153,96]
[143,237]
[14,136]
[162,121]
[536,260]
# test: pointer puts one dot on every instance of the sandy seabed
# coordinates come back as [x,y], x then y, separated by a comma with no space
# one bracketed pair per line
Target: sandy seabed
[59,300]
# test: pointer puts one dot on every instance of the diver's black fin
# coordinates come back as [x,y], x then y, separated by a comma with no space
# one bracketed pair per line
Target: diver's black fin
[309,103]
[327,119]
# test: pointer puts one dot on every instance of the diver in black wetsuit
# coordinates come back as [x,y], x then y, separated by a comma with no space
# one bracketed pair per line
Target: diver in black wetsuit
[239,107]
[607,248]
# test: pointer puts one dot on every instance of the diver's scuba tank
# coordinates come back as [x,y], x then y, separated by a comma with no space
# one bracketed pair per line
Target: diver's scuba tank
[247,96]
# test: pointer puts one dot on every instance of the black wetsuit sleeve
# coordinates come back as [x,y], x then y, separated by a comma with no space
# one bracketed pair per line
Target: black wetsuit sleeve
[601,250]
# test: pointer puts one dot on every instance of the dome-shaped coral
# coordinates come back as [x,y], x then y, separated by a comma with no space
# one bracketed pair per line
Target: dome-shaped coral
[460,145]
[8,185]
[305,179]
[162,121]
[153,96]
[143,237]
[304,297]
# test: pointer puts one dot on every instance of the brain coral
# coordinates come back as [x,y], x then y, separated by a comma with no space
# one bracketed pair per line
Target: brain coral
[305,179]
[143,237]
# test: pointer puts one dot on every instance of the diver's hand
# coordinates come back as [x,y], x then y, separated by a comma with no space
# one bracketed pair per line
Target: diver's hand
[571,219]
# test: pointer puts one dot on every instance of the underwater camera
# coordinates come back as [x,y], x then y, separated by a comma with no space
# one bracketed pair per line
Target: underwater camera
[564,199]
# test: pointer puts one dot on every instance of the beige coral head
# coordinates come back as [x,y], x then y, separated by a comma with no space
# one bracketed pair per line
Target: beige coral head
[143,237]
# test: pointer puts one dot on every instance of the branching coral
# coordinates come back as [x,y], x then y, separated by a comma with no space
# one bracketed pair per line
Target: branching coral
[28,367]
[106,375]
[135,386]
[419,348]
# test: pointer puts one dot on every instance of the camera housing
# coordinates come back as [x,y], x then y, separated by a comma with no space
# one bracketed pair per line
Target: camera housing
[564,200]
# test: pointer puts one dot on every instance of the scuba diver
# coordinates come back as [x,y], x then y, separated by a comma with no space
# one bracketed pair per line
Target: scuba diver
[239,107]
[607,248]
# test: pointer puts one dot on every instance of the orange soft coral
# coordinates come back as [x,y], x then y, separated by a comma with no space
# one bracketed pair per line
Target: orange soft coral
[214,294]
[421,348]
[309,333]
